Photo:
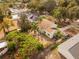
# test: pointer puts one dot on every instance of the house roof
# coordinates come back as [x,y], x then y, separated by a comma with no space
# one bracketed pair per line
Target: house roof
[70,48]
[49,29]
[47,25]
[15,11]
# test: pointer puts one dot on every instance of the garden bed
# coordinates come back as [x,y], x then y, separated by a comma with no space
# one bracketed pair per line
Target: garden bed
[72,31]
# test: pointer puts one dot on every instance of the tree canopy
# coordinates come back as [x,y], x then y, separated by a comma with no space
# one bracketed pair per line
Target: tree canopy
[25,44]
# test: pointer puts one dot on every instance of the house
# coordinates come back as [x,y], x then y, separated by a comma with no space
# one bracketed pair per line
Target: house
[15,12]
[70,48]
[47,27]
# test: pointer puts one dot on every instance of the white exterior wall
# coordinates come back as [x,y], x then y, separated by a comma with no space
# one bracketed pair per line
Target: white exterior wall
[64,47]
[65,53]
[50,35]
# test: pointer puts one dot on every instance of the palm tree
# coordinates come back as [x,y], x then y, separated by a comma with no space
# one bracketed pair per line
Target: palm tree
[34,27]
[5,23]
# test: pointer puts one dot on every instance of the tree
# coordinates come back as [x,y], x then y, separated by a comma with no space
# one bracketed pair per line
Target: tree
[41,6]
[66,9]
[58,34]
[27,44]
[48,5]
[34,27]
[34,4]
[73,10]
[24,23]
[57,14]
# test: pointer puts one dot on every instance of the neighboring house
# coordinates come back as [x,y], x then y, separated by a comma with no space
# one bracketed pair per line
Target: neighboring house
[16,12]
[70,48]
[47,27]
[3,48]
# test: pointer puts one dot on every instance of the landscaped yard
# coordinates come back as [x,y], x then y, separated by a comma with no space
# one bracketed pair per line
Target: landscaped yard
[42,39]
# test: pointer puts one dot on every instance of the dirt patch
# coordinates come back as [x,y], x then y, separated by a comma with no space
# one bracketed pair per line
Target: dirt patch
[72,31]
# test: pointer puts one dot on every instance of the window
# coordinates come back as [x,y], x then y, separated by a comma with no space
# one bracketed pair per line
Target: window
[48,34]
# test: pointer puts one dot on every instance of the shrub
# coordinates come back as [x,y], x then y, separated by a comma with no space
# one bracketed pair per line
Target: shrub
[40,47]
[11,46]
[54,46]
[27,45]
[11,35]
[58,35]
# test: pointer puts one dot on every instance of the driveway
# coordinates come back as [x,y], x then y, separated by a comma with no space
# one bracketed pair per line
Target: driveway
[48,54]
[53,55]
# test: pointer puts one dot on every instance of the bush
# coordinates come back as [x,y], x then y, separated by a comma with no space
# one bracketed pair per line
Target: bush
[11,46]
[58,35]
[54,46]
[39,47]
[11,35]
[27,45]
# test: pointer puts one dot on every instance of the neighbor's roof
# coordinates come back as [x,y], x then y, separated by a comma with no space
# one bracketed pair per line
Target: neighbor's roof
[70,48]
[18,10]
